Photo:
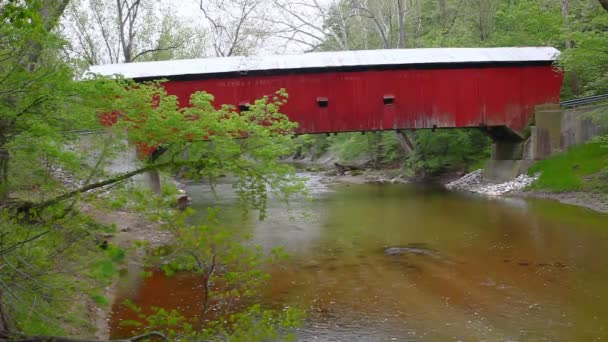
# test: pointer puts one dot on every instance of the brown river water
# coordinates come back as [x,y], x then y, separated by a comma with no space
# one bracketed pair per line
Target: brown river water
[470,268]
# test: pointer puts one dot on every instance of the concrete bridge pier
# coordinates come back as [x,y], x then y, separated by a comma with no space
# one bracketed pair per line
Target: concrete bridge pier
[508,156]
[554,130]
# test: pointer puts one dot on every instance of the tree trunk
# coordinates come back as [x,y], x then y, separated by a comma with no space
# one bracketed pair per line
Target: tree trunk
[575,85]
[604,4]
[4,186]
[4,158]
[153,177]
[401,8]
[51,11]
[442,15]
[405,142]
[5,323]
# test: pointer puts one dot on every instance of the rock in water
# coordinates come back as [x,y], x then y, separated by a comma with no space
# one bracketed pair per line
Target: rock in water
[410,249]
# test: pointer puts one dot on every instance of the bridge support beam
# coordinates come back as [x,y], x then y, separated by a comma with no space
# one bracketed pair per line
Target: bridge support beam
[507,161]
[508,156]
[555,130]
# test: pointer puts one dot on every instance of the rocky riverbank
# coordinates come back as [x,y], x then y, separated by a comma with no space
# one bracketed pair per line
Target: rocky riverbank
[369,177]
[473,182]
[517,187]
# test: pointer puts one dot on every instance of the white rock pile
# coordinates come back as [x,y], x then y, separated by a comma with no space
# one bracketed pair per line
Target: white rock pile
[472,182]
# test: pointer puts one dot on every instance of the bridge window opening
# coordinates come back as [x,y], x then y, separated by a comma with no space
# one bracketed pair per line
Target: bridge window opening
[322,102]
[243,107]
[388,100]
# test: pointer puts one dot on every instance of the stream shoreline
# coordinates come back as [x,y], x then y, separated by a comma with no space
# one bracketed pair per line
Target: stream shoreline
[515,188]
[132,227]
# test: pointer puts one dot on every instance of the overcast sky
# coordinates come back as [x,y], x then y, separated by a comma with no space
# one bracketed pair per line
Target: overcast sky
[190,9]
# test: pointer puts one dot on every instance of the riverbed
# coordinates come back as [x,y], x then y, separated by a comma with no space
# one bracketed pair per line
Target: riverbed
[406,262]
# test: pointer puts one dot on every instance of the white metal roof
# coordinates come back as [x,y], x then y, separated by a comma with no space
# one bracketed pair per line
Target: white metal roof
[327,60]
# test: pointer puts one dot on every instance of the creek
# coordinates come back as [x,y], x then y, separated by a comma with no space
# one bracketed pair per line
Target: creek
[405,262]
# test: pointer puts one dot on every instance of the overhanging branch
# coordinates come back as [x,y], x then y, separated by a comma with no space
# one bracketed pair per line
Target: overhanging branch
[25,206]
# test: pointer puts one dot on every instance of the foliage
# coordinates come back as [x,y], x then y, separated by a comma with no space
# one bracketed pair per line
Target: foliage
[311,145]
[445,150]
[251,324]
[49,254]
[543,24]
[588,57]
[577,27]
[154,32]
[45,266]
[379,147]
[582,167]
[231,277]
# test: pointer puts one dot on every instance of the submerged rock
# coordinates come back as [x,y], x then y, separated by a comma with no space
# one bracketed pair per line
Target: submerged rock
[413,248]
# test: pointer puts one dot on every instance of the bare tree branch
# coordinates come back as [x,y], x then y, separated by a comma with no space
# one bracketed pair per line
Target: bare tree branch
[154,50]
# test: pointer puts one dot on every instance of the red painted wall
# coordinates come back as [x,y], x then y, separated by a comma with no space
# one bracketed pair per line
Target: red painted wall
[467,97]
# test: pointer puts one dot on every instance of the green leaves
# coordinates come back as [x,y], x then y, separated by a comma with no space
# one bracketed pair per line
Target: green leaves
[447,150]
[231,276]
[528,23]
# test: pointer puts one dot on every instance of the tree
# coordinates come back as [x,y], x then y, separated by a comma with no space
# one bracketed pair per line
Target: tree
[388,18]
[126,31]
[235,28]
[129,31]
[543,24]
[313,24]
[587,57]
[48,252]
[231,277]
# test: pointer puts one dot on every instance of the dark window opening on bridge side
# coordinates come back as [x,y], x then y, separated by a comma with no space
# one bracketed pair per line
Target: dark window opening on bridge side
[322,102]
[388,100]
[243,107]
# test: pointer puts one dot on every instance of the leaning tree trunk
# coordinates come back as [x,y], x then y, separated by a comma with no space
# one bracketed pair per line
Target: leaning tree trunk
[153,178]
[575,85]
[4,161]
[5,322]
[401,7]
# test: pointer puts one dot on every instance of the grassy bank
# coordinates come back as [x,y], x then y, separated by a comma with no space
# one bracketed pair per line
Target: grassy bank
[582,168]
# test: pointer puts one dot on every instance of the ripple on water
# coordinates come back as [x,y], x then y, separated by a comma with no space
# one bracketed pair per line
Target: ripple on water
[536,271]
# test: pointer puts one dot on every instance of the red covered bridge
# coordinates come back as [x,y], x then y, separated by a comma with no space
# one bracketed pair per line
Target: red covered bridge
[374,89]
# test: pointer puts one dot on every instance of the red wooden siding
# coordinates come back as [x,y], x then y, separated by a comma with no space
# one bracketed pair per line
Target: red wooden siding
[423,98]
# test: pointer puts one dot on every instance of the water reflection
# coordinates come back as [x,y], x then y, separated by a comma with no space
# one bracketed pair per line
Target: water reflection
[508,269]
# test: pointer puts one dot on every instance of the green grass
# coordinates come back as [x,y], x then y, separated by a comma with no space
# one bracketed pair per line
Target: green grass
[582,167]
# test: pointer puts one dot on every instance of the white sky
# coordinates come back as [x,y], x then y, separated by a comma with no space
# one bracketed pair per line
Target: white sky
[190,9]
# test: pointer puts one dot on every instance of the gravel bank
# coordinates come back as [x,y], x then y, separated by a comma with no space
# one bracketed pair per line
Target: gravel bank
[473,182]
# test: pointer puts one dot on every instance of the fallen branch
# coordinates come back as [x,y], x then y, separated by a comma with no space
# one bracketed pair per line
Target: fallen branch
[26,206]
[342,168]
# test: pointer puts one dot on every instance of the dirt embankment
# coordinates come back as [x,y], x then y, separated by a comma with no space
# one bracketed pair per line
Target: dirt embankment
[130,228]
[593,201]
